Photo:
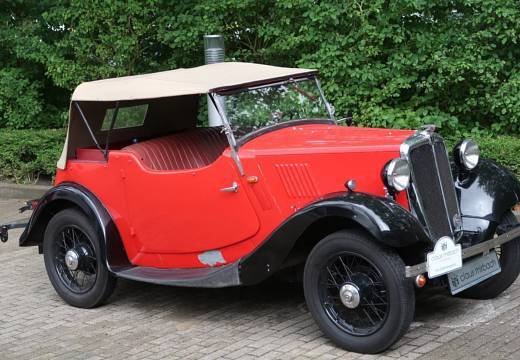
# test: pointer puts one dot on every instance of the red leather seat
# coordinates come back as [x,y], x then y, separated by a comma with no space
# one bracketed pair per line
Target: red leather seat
[185,150]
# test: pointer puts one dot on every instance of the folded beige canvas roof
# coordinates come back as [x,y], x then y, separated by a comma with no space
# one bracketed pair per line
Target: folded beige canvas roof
[199,80]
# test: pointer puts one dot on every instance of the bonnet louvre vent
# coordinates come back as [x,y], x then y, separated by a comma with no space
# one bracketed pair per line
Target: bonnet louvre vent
[297,180]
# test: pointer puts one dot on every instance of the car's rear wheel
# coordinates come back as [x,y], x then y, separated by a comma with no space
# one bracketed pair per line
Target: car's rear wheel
[357,292]
[509,258]
[72,254]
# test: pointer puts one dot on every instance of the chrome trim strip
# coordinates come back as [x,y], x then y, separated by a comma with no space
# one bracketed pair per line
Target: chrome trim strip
[459,228]
[482,248]
[215,99]
[417,139]
[328,106]
[432,136]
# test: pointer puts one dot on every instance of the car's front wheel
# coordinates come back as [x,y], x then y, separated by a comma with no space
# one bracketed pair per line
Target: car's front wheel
[357,292]
[72,254]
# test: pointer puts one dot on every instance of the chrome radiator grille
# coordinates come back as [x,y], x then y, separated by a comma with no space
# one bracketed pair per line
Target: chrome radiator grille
[432,193]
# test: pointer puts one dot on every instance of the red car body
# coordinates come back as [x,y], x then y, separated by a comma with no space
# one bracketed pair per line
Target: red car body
[286,170]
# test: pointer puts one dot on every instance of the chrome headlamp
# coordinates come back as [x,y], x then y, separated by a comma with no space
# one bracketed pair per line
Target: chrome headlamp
[396,174]
[467,154]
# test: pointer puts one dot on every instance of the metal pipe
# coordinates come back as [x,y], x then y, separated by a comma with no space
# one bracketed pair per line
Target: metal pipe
[214,52]
[214,49]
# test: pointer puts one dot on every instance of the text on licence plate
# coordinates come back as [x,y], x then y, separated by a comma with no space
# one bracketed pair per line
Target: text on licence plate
[474,272]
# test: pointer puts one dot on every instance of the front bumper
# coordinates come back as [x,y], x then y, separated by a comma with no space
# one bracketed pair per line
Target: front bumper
[481,248]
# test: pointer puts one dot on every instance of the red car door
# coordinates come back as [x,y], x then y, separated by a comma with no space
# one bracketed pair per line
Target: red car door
[188,211]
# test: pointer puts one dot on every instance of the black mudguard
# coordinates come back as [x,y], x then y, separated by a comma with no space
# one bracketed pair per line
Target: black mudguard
[384,219]
[68,195]
[485,194]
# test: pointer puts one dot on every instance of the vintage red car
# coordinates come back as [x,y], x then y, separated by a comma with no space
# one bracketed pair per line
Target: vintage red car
[364,217]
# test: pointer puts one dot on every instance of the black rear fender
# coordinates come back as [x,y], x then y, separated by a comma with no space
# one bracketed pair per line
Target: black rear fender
[68,195]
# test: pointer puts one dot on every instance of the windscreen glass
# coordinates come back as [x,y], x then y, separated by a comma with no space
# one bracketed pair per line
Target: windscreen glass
[257,108]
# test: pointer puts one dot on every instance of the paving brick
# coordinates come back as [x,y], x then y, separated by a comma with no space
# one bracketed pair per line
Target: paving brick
[143,321]
[428,347]
[422,340]
[496,339]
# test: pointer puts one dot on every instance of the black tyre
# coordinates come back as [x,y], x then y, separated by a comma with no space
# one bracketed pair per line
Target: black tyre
[72,254]
[509,258]
[357,292]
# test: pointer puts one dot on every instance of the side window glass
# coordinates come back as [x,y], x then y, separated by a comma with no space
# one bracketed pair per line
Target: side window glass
[127,117]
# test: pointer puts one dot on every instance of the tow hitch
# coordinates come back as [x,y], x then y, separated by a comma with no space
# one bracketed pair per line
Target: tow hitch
[17,224]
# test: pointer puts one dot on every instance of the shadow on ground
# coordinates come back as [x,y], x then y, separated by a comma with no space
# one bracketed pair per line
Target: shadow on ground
[434,307]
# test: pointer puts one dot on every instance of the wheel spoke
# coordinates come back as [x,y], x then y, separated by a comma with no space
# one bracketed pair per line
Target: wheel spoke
[379,298]
[332,277]
[352,261]
[373,304]
[349,272]
[84,276]
[342,278]
[369,317]
[64,241]
[347,269]
[374,309]
[74,237]
[80,280]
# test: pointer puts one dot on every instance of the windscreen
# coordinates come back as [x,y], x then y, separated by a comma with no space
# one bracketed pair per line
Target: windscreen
[257,108]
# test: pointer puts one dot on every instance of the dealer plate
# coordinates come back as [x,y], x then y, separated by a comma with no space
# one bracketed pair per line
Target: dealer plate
[445,257]
[474,272]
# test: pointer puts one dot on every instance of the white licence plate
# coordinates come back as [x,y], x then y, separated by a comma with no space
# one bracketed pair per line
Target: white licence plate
[474,272]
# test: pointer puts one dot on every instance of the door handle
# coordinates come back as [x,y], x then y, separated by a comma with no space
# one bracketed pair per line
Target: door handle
[232,188]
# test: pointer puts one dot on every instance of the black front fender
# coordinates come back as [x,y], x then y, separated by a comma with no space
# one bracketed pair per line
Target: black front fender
[73,195]
[485,194]
[385,220]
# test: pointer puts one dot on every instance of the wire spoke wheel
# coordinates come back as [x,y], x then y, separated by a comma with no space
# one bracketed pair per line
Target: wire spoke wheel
[72,253]
[353,294]
[75,259]
[357,292]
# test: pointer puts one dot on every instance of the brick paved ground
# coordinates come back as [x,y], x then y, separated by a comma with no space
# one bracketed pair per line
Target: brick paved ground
[145,321]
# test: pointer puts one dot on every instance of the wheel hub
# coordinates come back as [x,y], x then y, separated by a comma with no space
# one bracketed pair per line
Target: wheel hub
[72,260]
[349,296]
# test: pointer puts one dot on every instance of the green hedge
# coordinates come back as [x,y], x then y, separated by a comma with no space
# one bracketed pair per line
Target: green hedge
[398,64]
[26,155]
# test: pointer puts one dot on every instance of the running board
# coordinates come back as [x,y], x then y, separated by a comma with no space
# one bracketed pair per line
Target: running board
[214,277]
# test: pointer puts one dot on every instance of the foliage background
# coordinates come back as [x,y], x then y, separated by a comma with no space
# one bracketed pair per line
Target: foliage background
[398,63]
